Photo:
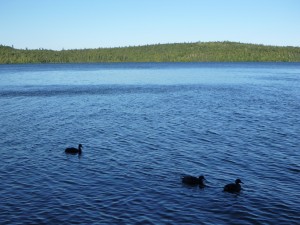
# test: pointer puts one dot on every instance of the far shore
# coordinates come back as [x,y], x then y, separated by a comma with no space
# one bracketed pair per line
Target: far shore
[177,52]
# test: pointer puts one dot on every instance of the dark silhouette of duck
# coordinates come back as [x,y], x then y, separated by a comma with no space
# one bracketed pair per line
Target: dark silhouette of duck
[74,150]
[233,187]
[193,181]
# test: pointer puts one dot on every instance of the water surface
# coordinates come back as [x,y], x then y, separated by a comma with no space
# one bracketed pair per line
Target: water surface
[143,126]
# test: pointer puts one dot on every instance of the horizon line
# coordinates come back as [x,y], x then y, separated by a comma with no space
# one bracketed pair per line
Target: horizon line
[153,44]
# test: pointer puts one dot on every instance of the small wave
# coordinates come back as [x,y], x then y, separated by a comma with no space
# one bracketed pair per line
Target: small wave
[296,170]
[49,91]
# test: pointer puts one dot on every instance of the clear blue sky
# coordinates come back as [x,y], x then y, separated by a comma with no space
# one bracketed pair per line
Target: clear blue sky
[57,24]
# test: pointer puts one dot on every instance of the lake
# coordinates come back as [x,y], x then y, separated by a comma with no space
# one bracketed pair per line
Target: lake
[143,126]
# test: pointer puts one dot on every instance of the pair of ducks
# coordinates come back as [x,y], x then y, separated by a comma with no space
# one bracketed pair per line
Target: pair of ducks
[232,188]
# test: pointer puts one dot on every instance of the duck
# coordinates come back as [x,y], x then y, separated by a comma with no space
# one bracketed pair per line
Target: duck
[233,187]
[191,180]
[73,150]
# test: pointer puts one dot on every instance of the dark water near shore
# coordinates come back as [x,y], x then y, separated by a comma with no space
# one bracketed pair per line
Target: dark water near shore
[143,126]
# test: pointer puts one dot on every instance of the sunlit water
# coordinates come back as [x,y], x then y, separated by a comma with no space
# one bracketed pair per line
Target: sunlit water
[143,126]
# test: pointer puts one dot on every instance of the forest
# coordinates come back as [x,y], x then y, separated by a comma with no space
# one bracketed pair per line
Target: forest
[176,52]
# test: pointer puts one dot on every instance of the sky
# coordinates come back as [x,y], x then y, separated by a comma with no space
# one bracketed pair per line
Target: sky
[78,24]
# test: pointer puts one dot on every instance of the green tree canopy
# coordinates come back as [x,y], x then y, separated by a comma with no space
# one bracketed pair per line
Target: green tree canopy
[177,52]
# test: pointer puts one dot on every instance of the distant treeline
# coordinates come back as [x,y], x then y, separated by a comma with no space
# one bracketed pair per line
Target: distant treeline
[179,52]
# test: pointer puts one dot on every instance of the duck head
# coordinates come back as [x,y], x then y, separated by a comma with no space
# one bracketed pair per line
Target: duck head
[238,181]
[202,178]
[79,149]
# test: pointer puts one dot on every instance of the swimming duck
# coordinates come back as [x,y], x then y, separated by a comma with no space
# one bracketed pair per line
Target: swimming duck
[233,187]
[74,150]
[191,180]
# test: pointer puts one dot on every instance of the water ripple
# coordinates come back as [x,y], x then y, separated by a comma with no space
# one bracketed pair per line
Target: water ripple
[138,141]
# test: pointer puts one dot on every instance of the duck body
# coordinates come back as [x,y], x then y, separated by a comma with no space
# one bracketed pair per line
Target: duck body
[74,150]
[193,181]
[233,187]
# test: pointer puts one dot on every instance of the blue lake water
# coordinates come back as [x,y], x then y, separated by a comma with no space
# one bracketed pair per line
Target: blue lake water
[143,126]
